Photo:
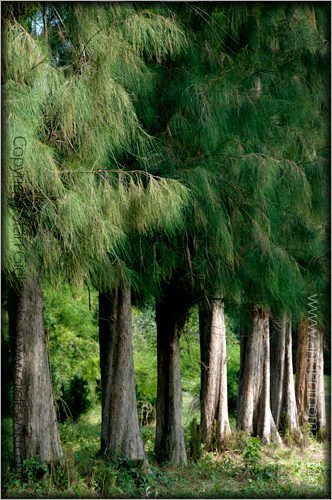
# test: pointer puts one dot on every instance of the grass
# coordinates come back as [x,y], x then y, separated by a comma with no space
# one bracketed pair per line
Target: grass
[244,470]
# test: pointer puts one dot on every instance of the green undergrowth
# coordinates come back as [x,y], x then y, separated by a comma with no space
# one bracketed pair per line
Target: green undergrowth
[245,469]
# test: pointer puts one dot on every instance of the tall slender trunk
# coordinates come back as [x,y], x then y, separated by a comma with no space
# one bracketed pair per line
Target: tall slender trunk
[309,381]
[35,428]
[120,431]
[283,402]
[214,405]
[170,315]
[253,409]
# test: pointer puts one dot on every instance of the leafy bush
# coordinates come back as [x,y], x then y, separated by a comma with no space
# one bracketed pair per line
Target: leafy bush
[74,347]
[252,456]
[32,470]
[134,469]
[98,475]
[75,400]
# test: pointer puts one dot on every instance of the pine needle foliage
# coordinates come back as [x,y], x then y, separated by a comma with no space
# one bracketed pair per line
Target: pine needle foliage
[136,111]
[245,127]
[69,94]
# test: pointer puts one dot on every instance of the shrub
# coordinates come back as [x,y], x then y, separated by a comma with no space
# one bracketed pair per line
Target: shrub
[32,470]
[75,400]
[74,347]
[252,456]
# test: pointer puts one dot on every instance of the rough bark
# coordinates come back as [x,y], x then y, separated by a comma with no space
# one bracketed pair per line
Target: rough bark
[283,402]
[120,431]
[170,315]
[213,396]
[254,414]
[309,381]
[35,429]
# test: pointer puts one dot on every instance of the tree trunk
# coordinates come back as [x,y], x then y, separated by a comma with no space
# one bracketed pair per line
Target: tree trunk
[214,405]
[283,403]
[120,431]
[170,315]
[35,428]
[253,409]
[309,382]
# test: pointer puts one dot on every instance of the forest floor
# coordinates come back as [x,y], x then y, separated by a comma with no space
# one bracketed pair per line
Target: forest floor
[245,469]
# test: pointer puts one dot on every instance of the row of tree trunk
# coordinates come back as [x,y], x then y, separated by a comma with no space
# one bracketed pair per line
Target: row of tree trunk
[267,402]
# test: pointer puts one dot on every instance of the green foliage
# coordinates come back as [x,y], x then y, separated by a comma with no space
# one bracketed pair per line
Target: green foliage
[134,469]
[145,362]
[32,470]
[236,130]
[98,475]
[74,347]
[198,143]
[252,454]
[190,356]
[74,107]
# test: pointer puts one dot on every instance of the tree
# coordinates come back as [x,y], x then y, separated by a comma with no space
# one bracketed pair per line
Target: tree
[34,423]
[143,217]
[231,117]
[120,432]
[171,314]
[213,395]
[253,414]
[71,106]
[283,403]
[116,356]
[35,430]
